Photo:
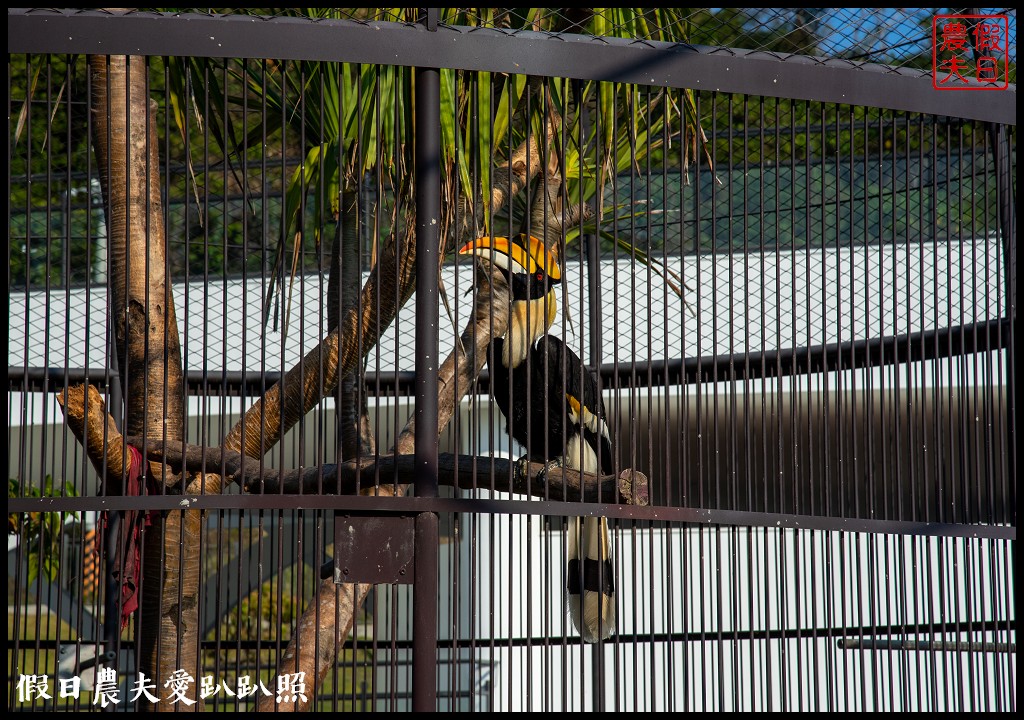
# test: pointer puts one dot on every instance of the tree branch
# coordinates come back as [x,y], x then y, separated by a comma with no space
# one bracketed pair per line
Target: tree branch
[509,179]
[92,425]
[353,423]
[463,365]
[327,622]
[467,472]
[390,285]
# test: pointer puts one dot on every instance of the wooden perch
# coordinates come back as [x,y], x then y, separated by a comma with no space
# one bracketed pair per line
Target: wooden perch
[466,472]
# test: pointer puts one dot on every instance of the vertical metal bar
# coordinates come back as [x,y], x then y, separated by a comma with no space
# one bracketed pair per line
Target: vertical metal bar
[726,645]
[592,252]
[937,435]
[15,622]
[773,498]
[259,519]
[698,410]
[428,217]
[361,219]
[241,520]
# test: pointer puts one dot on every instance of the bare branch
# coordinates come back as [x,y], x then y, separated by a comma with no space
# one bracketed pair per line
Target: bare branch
[329,619]
[322,629]
[573,215]
[319,635]
[354,433]
[509,179]
[87,416]
[390,285]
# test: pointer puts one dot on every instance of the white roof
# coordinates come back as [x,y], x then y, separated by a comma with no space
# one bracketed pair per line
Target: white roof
[746,302]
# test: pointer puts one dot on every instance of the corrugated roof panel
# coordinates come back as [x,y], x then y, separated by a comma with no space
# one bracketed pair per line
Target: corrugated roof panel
[743,303]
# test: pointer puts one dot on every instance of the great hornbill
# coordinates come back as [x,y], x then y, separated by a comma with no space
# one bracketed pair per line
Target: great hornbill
[552,408]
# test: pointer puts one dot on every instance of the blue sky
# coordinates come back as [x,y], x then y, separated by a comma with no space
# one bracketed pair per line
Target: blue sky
[890,32]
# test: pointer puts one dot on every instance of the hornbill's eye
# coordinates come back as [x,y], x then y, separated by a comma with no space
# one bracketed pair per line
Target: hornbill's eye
[540,275]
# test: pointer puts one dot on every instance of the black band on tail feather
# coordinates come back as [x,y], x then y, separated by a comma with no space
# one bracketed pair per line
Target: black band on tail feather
[594,577]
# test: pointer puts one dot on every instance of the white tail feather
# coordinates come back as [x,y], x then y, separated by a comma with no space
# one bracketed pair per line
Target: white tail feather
[593,614]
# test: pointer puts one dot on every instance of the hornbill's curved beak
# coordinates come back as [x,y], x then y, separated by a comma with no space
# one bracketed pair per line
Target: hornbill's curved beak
[519,255]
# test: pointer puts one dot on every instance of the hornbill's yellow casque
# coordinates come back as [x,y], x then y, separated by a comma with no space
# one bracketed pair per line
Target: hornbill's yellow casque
[552,408]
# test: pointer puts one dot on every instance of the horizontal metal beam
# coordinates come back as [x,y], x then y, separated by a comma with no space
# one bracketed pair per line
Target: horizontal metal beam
[926,645]
[407,504]
[848,636]
[584,57]
[951,342]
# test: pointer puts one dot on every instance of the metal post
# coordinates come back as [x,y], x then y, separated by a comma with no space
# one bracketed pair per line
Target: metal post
[592,256]
[1006,207]
[428,218]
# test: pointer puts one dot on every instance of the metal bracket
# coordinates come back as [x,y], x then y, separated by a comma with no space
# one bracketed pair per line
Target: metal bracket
[374,549]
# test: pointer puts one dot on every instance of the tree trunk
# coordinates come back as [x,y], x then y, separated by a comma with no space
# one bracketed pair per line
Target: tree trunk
[149,354]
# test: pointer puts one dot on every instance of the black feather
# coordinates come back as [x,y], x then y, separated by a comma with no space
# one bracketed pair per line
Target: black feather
[532,396]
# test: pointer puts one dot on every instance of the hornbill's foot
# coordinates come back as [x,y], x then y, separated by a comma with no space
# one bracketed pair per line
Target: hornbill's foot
[556,464]
[521,471]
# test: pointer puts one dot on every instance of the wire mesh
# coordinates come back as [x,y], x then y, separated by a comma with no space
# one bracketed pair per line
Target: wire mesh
[798,316]
[898,37]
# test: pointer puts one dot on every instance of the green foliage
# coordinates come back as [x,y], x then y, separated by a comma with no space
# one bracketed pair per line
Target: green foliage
[51,209]
[773,30]
[866,190]
[41,532]
[351,122]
